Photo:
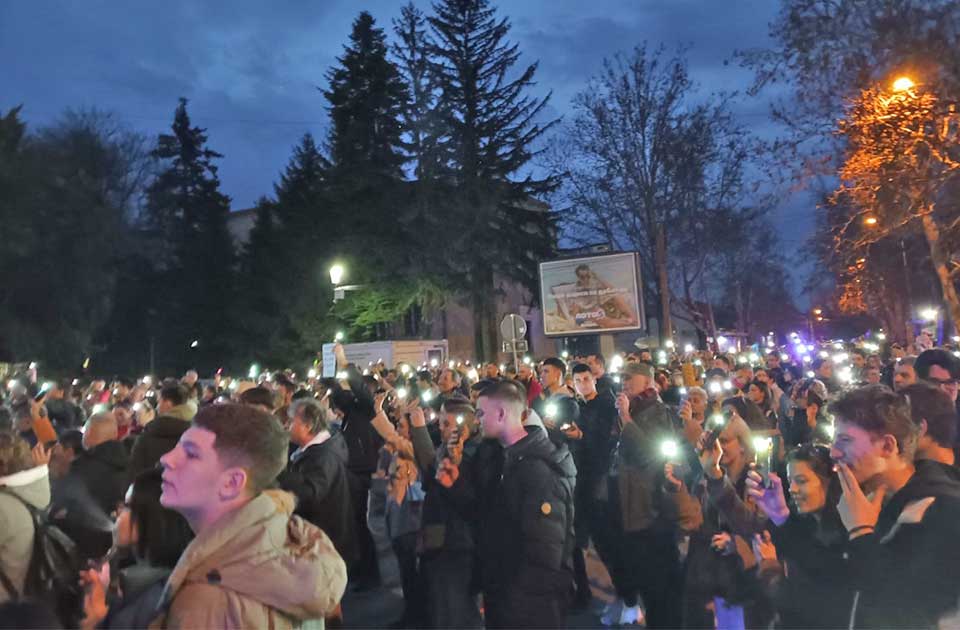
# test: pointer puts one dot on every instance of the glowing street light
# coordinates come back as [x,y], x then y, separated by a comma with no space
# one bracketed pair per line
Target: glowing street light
[930,314]
[903,84]
[336,274]
[870,220]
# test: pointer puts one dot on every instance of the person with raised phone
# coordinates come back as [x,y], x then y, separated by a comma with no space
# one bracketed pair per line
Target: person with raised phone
[901,516]
[810,583]
[252,564]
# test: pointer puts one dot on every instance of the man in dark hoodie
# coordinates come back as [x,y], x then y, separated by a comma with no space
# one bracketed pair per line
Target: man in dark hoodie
[317,475]
[901,516]
[526,533]
[175,411]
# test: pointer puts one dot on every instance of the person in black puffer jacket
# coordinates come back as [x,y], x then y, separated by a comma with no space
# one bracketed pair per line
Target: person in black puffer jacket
[526,532]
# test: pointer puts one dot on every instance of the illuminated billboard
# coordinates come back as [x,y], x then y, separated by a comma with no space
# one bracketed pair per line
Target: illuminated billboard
[591,295]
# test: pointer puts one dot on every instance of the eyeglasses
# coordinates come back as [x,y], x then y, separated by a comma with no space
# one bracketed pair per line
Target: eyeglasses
[949,382]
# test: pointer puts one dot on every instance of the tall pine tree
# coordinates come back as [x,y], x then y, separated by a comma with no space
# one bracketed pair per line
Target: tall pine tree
[367,98]
[493,128]
[419,118]
[196,258]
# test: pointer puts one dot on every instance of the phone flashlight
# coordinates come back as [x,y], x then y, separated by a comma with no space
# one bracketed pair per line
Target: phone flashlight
[669,449]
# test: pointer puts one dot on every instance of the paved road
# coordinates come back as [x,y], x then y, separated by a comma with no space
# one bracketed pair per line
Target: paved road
[381,607]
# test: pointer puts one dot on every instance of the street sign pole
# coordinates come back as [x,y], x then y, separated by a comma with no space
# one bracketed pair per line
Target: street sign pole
[513,328]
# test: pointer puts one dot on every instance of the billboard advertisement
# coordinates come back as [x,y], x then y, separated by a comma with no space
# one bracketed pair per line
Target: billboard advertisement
[593,294]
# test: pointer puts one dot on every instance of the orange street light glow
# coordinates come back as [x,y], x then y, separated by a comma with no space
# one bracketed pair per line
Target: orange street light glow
[870,220]
[903,84]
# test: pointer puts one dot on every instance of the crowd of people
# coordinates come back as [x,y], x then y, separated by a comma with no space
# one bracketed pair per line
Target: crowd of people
[796,486]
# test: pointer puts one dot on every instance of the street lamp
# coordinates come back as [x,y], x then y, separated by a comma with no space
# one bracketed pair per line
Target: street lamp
[903,84]
[870,220]
[336,274]
[930,314]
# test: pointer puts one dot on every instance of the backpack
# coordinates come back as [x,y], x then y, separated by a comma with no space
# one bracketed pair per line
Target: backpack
[53,573]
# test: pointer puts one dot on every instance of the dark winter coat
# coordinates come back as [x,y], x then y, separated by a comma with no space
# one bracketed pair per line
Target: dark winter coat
[318,478]
[142,586]
[906,572]
[363,442]
[638,465]
[158,438]
[816,591]
[526,533]
[93,488]
[450,515]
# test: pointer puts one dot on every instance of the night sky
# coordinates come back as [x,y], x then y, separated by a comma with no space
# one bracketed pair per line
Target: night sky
[251,68]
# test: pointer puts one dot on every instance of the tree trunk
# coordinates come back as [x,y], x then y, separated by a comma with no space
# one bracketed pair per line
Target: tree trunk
[939,259]
[666,326]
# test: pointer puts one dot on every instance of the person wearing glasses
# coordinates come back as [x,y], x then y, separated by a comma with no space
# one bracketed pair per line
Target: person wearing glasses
[941,368]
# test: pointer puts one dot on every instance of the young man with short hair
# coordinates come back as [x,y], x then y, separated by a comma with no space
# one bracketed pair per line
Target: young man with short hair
[935,417]
[903,373]
[556,406]
[598,416]
[526,532]
[252,564]
[598,367]
[901,517]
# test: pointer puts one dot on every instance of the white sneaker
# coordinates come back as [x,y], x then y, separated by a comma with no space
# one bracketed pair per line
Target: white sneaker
[612,613]
[631,615]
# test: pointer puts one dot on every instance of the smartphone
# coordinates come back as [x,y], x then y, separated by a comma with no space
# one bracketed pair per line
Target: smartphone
[763,454]
[566,426]
[718,422]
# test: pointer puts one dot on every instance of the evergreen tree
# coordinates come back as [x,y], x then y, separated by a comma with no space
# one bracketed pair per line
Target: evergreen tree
[371,202]
[188,214]
[493,128]
[366,99]
[301,199]
[419,117]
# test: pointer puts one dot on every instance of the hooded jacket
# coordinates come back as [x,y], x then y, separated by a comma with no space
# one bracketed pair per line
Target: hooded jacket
[16,523]
[318,478]
[159,437]
[258,567]
[906,570]
[526,535]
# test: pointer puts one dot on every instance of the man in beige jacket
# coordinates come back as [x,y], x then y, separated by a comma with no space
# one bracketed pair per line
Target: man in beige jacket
[252,564]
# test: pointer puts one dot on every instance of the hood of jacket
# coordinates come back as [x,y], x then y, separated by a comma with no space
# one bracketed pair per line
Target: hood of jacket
[112,453]
[537,444]
[185,411]
[167,426]
[263,553]
[931,479]
[31,485]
